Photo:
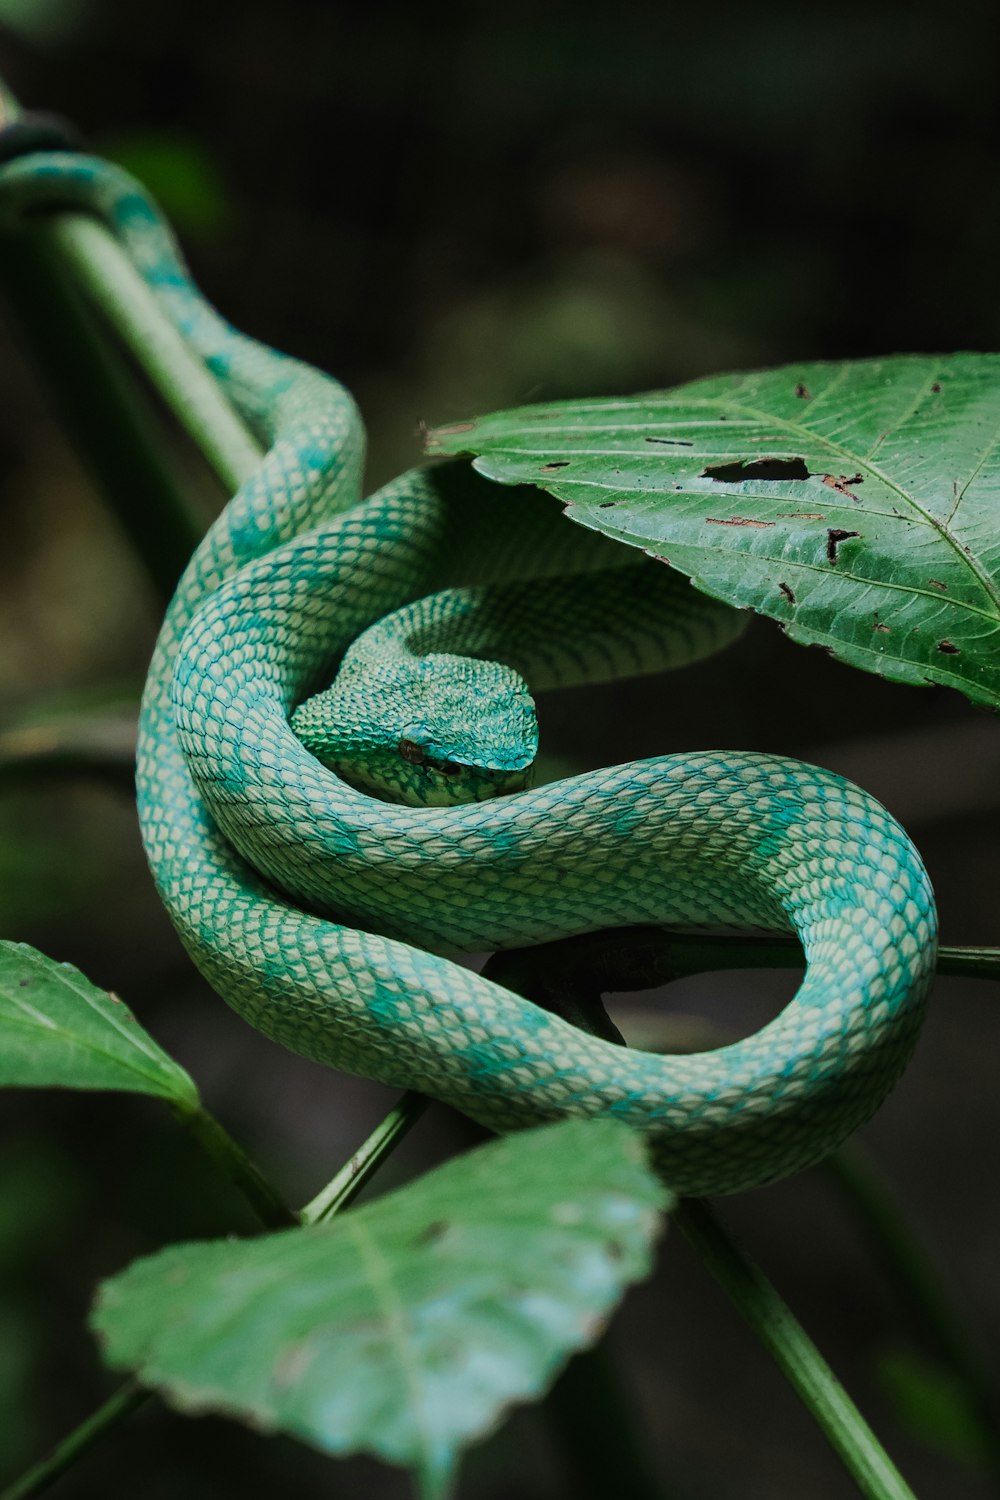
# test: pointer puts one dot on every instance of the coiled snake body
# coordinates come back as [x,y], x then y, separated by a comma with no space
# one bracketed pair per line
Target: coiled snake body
[321,912]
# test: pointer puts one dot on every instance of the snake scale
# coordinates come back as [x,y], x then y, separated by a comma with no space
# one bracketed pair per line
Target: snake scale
[323,907]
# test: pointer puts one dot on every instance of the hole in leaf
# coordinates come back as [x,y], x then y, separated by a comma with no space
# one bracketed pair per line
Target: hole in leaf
[834,537]
[757,468]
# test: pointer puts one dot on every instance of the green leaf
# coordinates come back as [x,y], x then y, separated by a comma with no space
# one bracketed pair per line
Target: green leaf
[856,503]
[57,1030]
[403,1328]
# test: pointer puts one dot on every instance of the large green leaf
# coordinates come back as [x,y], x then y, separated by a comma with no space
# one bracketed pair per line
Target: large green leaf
[403,1328]
[57,1030]
[856,503]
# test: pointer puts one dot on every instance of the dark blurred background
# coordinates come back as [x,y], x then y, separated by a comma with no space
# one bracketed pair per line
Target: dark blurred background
[455,209]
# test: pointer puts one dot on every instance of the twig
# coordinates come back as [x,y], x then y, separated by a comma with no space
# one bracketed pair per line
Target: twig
[794,1352]
[353,1176]
[265,1200]
[127,1399]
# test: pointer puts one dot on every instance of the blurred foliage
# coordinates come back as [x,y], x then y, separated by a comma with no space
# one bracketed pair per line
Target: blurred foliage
[43,22]
[931,1404]
[181,175]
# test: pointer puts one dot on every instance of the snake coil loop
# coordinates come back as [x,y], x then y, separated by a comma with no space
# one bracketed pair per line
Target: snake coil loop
[321,912]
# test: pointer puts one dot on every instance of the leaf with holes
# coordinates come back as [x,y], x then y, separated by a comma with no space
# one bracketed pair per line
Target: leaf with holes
[57,1030]
[403,1328]
[856,503]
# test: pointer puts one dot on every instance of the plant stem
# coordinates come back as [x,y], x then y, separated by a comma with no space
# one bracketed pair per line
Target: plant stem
[101,267]
[265,1200]
[353,1176]
[432,1481]
[96,401]
[794,1352]
[636,958]
[95,262]
[917,1280]
[969,963]
[125,1400]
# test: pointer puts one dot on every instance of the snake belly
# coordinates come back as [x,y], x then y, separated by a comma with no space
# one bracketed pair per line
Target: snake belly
[324,915]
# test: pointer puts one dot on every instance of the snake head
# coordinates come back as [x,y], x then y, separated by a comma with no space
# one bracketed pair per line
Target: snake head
[431,731]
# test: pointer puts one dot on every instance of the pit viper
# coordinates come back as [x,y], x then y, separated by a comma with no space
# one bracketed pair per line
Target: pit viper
[327,909]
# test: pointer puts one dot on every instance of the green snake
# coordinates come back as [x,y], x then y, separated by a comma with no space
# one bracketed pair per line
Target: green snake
[323,905]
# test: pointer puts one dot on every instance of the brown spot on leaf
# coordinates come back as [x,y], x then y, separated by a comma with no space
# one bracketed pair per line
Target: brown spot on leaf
[936,388]
[936,583]
[834,537]
[802,391]
[841,483]
[671,442]
[560,463]
[787,592]
[802,515]
[879,626]
[736,521]
[607,504]
[757,468]
[948,647]
[431,1233]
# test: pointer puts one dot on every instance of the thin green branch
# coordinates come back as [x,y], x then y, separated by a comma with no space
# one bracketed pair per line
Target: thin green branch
[432,1481]
[97,403]
[88,253]
[127,1399]
[637,958]
[101,267]
[95,396]
[794,1352]
[265,1200]
[969,963]
[355,1174]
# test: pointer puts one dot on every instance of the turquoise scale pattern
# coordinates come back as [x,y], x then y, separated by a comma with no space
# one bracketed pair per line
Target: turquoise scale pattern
[322,914]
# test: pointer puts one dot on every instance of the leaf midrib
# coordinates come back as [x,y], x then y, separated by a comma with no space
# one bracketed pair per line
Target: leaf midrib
[380,1280]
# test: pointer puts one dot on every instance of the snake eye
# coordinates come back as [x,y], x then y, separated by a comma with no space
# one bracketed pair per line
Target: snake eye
[411,752]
